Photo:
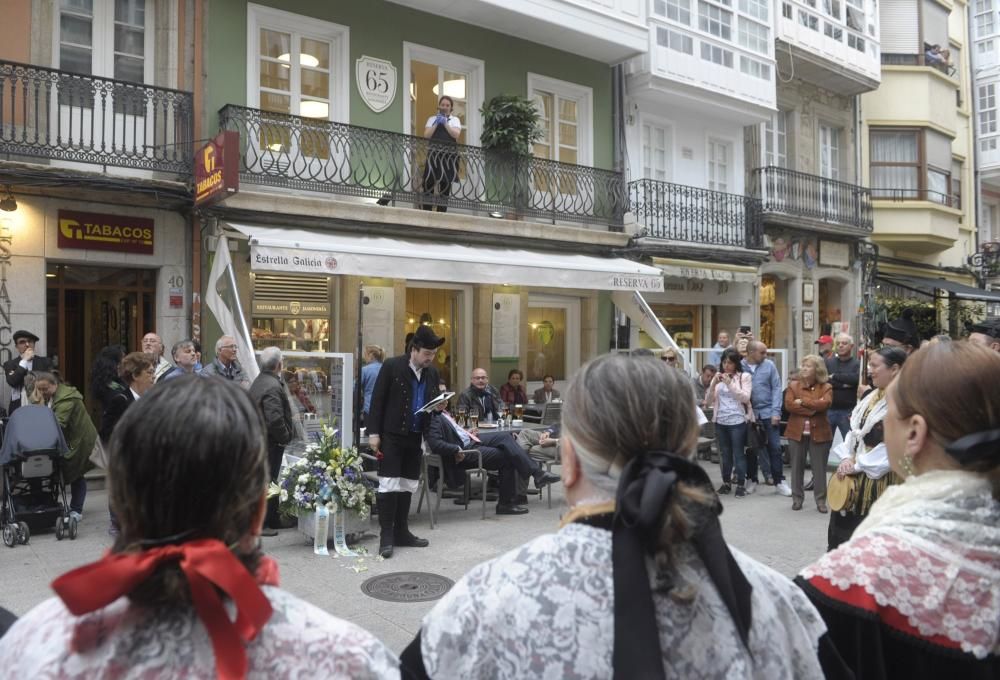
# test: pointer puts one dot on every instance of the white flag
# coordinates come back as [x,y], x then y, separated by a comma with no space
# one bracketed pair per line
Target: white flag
[222,298]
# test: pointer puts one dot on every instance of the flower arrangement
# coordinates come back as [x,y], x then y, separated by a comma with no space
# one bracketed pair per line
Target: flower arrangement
[325,475]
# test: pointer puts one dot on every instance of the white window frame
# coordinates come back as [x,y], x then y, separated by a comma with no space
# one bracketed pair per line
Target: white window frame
[730,147]
[757,9]
[826,133]
[713,15]
[103,40]
[584,97]
[475,84]
[573,335]
[647,120]
[755,68]
[260,17]
[678,7]
[672,37]
[771,131]
[749,34]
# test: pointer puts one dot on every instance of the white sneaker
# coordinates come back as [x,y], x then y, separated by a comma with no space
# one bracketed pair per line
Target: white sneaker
[76,515]
[751,486]
[782,489]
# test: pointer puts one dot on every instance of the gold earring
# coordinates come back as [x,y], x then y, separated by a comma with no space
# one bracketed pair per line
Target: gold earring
[908,469]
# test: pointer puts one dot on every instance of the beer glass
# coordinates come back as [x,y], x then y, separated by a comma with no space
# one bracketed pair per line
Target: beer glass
[474,419]
[462,413]
[518,411]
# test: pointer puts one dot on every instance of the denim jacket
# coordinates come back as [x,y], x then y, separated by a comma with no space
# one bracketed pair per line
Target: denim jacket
[767,393]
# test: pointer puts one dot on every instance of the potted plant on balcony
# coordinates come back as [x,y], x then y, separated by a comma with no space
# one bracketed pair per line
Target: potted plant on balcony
[510,127]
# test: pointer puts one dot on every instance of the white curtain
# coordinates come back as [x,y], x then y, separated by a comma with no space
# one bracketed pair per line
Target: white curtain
[895,147]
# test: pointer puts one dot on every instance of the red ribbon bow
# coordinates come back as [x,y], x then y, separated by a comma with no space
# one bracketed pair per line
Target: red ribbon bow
[207,564]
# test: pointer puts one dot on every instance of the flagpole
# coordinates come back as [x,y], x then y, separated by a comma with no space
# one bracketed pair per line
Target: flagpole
[358,391]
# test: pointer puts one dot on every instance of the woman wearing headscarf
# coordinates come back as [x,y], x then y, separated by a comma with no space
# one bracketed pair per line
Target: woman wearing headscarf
[185,591]
[863,454]
[638,582]
[915,593]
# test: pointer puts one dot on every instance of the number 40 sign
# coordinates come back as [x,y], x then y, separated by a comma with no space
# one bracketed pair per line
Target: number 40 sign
[376,82]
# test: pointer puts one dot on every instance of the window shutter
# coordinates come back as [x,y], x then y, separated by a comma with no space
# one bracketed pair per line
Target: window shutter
[900,27]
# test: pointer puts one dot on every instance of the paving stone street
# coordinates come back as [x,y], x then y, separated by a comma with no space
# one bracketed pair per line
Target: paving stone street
[762,525]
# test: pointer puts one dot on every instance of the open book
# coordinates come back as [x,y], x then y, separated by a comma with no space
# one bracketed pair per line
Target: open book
[429,406]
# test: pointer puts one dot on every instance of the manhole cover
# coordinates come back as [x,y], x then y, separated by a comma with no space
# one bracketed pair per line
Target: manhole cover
[407,586]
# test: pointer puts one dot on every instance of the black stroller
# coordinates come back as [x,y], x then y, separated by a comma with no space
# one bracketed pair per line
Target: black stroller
[33,490]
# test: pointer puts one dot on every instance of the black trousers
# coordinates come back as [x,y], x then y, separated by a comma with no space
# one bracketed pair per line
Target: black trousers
[400,455]
[274,455]
[525,465]
[440,173]
[495,459]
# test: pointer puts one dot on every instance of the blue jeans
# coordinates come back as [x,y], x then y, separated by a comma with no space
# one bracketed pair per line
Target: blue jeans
[840,420]
[771,462]
[732,439]
[77,494]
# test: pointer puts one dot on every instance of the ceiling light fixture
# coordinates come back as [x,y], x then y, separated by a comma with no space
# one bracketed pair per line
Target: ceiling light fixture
[8,203]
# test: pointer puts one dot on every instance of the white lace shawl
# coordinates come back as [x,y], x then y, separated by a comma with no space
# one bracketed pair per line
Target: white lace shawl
[123,640]
[930,549]
[546,610]
[874,462]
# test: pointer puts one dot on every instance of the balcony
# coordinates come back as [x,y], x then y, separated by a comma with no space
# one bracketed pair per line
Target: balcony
[62,116]
[609,31]
[682,213]
[918,221]
[311,154]
[798,199]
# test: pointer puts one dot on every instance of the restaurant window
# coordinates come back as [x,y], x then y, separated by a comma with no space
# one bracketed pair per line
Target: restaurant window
[440,310]
[101,38]
[553,337]
[292,312]
[683,322]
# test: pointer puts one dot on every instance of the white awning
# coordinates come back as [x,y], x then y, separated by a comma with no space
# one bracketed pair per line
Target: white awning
[303,251]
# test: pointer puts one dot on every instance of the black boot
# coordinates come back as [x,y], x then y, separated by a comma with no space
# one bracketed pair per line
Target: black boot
[402,536]
[386,517]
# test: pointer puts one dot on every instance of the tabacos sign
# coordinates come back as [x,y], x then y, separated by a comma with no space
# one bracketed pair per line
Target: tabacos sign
[217,169]
[94,231]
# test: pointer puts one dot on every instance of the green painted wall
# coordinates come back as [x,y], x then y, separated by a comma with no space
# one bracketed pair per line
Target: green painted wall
[378,29]
[605,322]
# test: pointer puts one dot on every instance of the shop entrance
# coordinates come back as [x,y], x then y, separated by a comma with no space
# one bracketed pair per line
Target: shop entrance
[88,308]
[683,322]
[440,309]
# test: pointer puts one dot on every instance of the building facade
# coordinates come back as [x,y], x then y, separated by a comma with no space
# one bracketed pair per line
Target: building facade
[96,142]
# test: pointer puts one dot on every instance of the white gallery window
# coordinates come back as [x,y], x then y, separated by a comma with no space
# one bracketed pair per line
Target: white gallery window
[719,161]
[753,36]
[856,42]
[988,144]
[674,40]
[755,8]
[832,8]
[113,40]
[987,109]
[984,47]
[755,68]
[675,10]
[786,10]
[565,114]
[298,64]
[808,20]
[833,31]
[983,6]
[715,20]
[716,55]
[984,24]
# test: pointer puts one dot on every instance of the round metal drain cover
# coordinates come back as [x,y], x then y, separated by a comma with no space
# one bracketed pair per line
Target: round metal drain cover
[407,586]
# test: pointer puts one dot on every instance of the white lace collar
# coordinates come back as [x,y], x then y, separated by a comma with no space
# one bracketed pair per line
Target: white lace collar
[930,550]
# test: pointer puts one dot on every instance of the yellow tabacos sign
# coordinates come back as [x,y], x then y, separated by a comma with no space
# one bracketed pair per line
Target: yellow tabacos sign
[93,231]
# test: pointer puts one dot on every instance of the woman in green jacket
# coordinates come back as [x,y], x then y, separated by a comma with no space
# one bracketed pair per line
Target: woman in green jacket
[78,429]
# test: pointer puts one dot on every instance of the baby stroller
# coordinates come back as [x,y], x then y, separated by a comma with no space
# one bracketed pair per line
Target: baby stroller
[33,491]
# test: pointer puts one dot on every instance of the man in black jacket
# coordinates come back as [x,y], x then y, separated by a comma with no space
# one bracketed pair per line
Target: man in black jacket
[395,427]
[844,369]
[18,368]
[268,392]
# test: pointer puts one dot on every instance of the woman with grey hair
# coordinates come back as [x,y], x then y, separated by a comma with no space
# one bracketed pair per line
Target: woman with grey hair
[638,582]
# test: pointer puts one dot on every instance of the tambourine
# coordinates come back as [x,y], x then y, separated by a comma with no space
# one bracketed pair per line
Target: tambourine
[841,493]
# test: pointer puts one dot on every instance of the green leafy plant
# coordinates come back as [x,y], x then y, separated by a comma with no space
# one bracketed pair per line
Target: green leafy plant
[510,124]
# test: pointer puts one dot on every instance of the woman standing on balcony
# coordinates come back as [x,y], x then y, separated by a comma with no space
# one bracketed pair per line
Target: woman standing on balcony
[441,170]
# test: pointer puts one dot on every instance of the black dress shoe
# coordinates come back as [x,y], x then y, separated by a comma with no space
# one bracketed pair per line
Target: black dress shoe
[411,541]
[385,550]
[269,533]
[511,510]
[544,479]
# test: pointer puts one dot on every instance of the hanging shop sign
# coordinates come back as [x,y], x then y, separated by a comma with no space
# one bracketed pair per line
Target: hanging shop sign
[376,80]
[217,169]
[94,231]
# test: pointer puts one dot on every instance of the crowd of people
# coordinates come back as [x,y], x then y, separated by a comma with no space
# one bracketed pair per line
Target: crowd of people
[638,581]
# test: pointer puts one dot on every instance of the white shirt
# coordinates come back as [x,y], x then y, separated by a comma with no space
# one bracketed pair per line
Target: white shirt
[453,122]
[135,395]
[460,431]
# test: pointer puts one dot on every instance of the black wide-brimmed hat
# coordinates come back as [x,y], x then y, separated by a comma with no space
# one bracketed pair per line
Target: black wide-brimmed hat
[426,338]
[25,334]
[990,328]
[903,329]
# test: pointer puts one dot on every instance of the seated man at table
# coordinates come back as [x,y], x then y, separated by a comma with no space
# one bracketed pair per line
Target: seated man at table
[547,391]
[540,443]
[500,452]
[480,397]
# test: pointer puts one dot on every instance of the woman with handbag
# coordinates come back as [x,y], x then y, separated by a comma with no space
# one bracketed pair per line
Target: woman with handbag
[863,456]
[808,431]
[729,398]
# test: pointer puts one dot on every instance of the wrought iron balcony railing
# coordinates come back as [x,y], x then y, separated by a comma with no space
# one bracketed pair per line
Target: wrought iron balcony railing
[47,113]
[319,155]
[684,213]
[799,194]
